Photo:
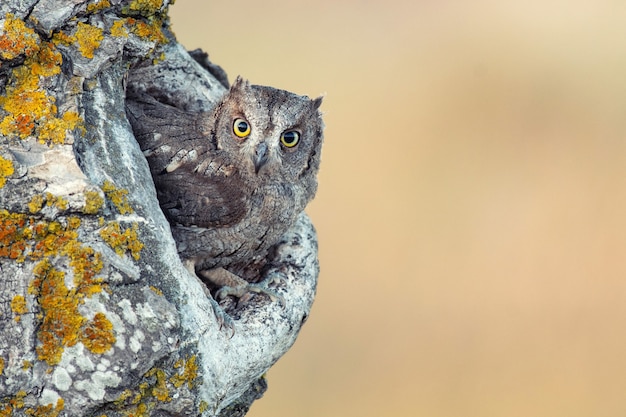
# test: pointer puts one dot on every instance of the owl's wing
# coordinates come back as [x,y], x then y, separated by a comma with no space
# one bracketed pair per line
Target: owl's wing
[195,184]
[166,133]
[206,199]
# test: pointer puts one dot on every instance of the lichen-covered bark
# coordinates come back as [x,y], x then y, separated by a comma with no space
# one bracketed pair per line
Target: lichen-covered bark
[97,314]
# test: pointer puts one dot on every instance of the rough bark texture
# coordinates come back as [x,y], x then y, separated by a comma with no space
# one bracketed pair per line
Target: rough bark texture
[98,316]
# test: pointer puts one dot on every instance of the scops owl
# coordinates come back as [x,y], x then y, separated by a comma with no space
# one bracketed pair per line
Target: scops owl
[233,180]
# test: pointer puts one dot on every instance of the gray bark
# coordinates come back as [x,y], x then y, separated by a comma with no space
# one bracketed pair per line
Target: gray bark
[98,316]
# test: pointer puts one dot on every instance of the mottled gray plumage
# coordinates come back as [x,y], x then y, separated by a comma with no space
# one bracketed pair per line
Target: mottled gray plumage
[230,194]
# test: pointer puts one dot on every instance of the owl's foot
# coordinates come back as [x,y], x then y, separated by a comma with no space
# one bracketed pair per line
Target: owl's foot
[223,319]
[232,285]
[245,292]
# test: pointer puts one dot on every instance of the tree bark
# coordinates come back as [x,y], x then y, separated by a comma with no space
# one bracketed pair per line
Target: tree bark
[98,316]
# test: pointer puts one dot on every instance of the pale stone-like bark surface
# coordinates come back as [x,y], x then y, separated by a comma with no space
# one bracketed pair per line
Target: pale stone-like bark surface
[98,316]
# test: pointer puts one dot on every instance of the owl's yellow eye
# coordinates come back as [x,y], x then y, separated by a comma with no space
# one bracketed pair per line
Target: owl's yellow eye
[241,128]
[290,138]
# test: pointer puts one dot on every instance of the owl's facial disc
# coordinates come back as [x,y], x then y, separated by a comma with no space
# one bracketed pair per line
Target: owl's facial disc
[260,156]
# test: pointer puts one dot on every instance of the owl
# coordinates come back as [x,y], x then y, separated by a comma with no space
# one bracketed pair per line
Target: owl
[233,180]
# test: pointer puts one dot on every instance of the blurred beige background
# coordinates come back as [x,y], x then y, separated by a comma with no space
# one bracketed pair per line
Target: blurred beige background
[472,202]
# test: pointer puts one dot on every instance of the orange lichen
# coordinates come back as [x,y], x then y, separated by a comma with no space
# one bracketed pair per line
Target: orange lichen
[6,170]
[97,335]
[30,110]
[88,38]
[17,39]
[12,235]
[9,405]
[47,61]
[122,242]
[118,196]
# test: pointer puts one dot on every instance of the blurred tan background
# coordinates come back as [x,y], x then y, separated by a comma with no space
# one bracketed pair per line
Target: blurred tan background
[472,202]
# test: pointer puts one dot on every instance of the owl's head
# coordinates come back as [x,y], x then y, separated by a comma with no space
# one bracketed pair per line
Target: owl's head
[274,134]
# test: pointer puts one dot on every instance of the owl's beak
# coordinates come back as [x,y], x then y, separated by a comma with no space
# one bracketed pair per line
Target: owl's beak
[260,156]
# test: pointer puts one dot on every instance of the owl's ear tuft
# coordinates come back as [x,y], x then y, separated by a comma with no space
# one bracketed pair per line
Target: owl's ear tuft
[240,84]
[317,102]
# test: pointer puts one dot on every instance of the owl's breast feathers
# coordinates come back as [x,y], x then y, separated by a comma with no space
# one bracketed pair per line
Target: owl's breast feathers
[203,198]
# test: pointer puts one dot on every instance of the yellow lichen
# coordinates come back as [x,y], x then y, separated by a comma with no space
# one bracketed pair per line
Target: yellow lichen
[6,170]
[189,372]
[51,200]
[53,130]
[62,38]
[1,365]
[61,322]
[118,196]
[159,389]
[93,202]
[204,406]
[96,7]
[14,403]
[30,110]
[156,290]
[122,241]
[46,410]
[26,365]
[18,306]
[151,31]
[126,394]
[36,203]
[89,38]
[23,237]
[154,388]
[146,7]
[118,29]
[73,222]
[56,201]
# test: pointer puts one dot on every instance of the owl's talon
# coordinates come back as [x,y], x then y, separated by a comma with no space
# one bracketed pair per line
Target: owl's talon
[232,285]
[244,293]
[223,319]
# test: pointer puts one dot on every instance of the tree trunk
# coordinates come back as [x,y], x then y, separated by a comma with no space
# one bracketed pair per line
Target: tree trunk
[98,316]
